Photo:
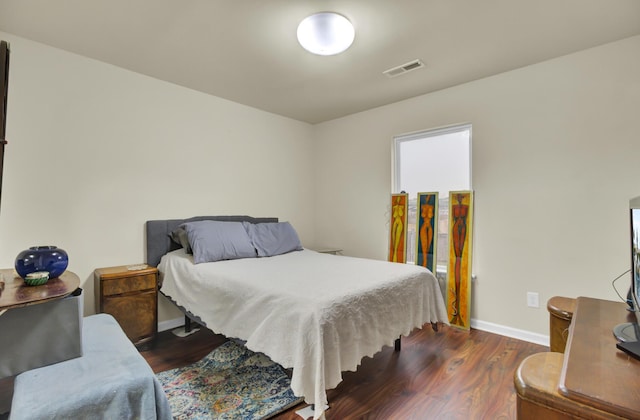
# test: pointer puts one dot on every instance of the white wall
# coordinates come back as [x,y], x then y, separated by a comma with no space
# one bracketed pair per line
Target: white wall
[556,158]
[94,151]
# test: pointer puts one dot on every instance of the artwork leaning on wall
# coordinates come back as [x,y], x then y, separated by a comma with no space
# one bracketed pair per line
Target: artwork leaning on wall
[398,228]
[459,266]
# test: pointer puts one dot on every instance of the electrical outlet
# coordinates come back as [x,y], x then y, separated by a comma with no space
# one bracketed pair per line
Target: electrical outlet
[533,300]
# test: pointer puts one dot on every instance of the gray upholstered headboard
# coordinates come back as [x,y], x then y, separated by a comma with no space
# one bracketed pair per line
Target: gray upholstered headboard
[159,242]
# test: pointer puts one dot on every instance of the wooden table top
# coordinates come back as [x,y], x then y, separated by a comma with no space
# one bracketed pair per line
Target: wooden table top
[15,293]
[595,372]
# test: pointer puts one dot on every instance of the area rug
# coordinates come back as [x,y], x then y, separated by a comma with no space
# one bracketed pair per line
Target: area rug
[231,382]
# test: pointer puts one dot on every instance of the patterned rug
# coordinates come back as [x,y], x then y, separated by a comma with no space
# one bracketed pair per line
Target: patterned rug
[231,382]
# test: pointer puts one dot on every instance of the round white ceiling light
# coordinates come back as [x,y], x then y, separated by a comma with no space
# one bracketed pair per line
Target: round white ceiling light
[325,33]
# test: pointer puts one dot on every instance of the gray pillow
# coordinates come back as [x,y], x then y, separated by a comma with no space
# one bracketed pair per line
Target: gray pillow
[180,237]
[271,239]
[215,241]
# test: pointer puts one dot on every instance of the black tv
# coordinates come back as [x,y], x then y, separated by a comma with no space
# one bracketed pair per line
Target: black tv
[628,333]
[4,88]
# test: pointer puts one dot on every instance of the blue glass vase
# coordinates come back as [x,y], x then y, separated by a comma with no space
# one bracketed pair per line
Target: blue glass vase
[42,258]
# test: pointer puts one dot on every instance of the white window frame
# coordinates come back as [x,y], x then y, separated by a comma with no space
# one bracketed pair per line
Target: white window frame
[425,134]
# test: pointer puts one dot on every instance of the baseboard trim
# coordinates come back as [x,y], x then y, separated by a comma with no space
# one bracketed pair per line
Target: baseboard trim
[523,335]
[170,324]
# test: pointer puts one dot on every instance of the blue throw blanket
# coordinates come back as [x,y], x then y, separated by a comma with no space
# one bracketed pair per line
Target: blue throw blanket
[110,381]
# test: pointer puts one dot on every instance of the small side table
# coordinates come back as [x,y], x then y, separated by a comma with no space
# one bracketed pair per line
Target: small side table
[130,294]
[333,251]
[39,325]
[14,293]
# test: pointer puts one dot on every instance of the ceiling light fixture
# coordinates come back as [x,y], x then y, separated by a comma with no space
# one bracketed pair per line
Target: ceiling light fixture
[325,33]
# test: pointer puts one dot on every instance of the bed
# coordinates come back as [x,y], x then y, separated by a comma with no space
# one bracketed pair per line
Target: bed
[316,313]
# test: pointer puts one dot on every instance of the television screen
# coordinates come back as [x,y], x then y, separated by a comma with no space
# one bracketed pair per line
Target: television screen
[635,256]
[630,331]
[629,336]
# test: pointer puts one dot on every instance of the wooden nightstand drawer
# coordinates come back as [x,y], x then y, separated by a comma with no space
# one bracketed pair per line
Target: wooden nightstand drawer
[131,296]
[136,314]
[120,286]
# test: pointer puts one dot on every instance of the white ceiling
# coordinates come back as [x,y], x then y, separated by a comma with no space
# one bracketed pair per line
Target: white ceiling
[246,50]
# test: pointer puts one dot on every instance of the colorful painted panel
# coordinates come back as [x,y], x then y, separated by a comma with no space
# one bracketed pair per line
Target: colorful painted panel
[426,230]
[398,228]
[459,268]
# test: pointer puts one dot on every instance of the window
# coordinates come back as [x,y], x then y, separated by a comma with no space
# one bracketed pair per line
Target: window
[436,160]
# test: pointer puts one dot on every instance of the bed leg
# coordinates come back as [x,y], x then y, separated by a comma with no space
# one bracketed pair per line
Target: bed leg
[397,344]
[434,325]
[188,329]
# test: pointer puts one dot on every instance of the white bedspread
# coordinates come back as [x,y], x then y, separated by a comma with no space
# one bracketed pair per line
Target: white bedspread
[319,314]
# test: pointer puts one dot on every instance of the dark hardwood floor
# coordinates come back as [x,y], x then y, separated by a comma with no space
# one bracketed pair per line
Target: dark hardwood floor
[449,374]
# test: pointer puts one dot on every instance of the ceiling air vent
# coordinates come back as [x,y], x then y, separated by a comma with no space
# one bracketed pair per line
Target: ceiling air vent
[405,68]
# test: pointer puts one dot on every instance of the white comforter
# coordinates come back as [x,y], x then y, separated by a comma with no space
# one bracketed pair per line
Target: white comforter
[316,313]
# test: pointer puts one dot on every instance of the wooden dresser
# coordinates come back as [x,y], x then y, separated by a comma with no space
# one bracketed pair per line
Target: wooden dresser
[593,379]
[130,294]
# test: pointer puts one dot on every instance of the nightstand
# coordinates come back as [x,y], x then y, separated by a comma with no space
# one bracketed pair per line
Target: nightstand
[333,251]
[130,294]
